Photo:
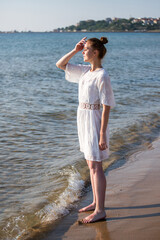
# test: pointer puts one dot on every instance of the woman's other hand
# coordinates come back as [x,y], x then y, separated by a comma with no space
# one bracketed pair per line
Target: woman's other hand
[103,142]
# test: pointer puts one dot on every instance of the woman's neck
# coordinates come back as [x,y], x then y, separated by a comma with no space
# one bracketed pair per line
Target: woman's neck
[95,65]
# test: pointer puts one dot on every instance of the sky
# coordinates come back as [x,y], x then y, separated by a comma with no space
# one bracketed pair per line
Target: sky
[46,15]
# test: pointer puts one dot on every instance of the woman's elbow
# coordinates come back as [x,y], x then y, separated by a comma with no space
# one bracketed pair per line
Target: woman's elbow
[60,66]
[57,65]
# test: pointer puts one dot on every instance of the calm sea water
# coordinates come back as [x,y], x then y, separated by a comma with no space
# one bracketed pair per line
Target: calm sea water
[42,172]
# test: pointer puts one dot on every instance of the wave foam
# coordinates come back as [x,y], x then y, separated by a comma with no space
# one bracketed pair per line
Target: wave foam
[64,203]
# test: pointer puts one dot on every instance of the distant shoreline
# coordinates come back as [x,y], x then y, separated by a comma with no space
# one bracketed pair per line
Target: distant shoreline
[142,24]
[135,31]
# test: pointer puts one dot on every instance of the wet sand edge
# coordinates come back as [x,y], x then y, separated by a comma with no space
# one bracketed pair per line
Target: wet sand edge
[132,203]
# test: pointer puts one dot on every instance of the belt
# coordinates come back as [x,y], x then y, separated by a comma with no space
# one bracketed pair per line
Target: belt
[89,106]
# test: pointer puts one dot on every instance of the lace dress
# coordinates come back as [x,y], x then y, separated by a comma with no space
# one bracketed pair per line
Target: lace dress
[94,89]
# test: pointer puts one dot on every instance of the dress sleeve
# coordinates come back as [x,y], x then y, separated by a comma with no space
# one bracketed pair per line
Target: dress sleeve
[105,92]
[73,72]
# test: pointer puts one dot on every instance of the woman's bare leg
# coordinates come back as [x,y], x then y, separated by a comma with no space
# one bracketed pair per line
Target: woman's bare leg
[100,188]
[93,204]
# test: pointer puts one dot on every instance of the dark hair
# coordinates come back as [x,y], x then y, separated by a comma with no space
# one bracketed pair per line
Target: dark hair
[98,44]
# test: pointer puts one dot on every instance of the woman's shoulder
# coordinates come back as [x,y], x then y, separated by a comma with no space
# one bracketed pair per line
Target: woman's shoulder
[86,67]
[103,74]
[78,65]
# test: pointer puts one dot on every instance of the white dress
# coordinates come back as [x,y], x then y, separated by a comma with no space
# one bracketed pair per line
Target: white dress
[94,89]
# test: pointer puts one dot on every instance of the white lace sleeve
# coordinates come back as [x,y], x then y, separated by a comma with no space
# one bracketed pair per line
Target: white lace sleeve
[73,72]
[105,92]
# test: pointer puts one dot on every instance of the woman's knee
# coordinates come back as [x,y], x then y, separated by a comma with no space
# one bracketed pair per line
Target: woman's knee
[95,166]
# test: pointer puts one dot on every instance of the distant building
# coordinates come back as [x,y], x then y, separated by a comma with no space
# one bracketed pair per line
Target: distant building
[155,21]
[109,20]
[146,21]
[116,19]
[136,20]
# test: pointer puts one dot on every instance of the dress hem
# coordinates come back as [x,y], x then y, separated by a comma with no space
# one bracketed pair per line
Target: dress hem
[97,160]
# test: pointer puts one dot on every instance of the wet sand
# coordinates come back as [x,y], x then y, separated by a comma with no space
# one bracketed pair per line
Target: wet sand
[132,203]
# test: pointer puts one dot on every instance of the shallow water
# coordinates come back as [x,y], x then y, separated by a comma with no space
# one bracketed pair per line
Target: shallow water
[42,171]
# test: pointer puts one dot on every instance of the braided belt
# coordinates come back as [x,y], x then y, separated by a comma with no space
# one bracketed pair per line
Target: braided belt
[89,106]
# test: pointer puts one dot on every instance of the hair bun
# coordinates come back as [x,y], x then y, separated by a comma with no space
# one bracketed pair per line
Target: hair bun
[104,40]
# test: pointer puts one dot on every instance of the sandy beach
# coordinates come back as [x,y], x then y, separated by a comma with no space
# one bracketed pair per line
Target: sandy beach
[132,203]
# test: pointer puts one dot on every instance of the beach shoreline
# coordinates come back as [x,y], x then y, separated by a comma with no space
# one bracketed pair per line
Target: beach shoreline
[44,176]
[132,203]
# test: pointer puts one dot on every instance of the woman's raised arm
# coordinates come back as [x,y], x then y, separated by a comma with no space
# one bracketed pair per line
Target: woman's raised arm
[65,59]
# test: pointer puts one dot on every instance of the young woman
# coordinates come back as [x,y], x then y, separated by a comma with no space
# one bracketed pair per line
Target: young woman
[94,91]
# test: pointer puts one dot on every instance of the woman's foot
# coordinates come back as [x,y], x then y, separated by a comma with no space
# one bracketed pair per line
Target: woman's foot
[94,217]
[90,207]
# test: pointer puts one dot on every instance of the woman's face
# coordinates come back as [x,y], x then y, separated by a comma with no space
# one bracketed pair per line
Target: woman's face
[88,53]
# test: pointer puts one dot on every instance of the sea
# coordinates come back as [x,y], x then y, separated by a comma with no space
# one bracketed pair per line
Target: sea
[43,175]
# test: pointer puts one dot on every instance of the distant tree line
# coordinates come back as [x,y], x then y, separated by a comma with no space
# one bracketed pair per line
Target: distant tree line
[117,24]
